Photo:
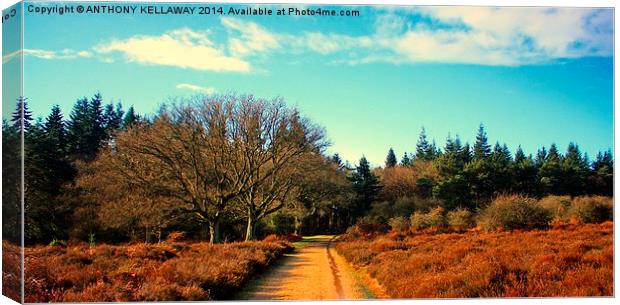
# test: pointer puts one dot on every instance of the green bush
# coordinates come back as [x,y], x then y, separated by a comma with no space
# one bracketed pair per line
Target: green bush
[557,206]
[434,219]
[461,219]
[399,224]
[514,212]
[591,209]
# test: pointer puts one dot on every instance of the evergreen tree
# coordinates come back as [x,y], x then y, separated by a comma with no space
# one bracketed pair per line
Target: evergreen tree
[390,160]
[541,156]
[550,172]
[424,150]
[22,116]
[482,149]
[337,160]
[113,118]
[500,173]
[602,177]
[97,121]
[575,171]
[366,186]
[131,117]
[524,174]
[466,153]
[79,129]
[405,161]
[55,133]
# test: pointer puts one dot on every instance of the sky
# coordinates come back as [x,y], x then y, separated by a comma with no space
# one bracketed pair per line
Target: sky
[532,76]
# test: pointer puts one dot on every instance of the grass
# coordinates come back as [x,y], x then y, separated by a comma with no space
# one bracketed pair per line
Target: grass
[170,271]
[574,260]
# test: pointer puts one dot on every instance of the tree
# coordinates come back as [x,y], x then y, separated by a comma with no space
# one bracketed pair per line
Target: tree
[11,182]
[405,161]
[112,119]
[575,171]
[602,177]
[209,154]
[424,150]
[366,186]
[390,160]
[278,144]
[131,117]
[22,116]
[524,173]
[482,149]
[550,172]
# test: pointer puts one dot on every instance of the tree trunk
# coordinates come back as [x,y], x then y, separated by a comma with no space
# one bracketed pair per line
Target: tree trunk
[251,228]
[296,225]
[214,232]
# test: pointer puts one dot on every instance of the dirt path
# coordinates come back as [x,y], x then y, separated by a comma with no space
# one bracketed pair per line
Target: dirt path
[313,272]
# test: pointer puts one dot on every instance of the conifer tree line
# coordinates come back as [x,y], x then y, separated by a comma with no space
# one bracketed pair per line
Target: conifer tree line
[236,167]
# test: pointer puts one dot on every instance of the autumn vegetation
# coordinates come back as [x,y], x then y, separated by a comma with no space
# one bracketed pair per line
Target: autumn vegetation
[105,188]
[572,260]
[166,271]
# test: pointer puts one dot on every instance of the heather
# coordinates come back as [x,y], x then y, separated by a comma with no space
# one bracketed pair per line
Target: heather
[168,271]
[572,260]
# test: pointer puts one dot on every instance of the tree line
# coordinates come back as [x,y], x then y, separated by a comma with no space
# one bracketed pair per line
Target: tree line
[230,167]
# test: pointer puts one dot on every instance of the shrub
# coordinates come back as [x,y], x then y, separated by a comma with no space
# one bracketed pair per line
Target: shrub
[514,212]
[399,224]
[591,209]
[460,219]
[577,261]
[434,219]
[556,205]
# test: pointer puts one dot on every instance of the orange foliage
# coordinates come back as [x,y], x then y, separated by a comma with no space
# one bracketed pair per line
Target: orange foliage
[170,271]
[576,260]
[11,271]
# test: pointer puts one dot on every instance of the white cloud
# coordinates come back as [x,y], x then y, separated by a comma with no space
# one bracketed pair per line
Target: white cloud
[184,48]
[45,54]
[249,37]
[195,88]
[507,36]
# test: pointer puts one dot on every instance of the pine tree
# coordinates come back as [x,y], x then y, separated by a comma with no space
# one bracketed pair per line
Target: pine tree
[423,148]
[366,186]
[55,132]
[390,160]
[131,117]
[575,171]
[79,129]
[524,174]
[337,160]
[22,116]
[466,153]
[602,178]
[550,172]
[97,121]
[482,149]
[541,156]
[405,161]
[113,118]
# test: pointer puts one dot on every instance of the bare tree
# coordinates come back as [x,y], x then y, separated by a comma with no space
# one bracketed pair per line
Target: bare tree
[206,153]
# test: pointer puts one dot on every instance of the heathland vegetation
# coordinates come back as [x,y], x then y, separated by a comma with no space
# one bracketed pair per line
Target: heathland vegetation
[106,183]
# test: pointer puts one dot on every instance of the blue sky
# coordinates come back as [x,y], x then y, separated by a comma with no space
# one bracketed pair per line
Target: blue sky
[533,76]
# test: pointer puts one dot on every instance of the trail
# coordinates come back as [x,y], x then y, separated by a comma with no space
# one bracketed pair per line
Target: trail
[314,271]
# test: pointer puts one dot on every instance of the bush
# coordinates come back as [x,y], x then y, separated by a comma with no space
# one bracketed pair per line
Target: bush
[514,212]
[399,224]
[435,219]
[460,219]
[591,209]
[556,205]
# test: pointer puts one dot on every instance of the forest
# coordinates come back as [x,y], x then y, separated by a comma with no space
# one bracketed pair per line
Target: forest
[237,167]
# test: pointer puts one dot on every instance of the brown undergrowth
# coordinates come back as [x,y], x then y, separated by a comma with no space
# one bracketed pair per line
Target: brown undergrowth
[571,260]
[169,271]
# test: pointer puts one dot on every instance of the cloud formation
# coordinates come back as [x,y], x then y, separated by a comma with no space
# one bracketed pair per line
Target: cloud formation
[195,88]
[184,48]
[45,54]
[503,36]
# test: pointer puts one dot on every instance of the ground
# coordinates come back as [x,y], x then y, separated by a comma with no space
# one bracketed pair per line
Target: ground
[315,271]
